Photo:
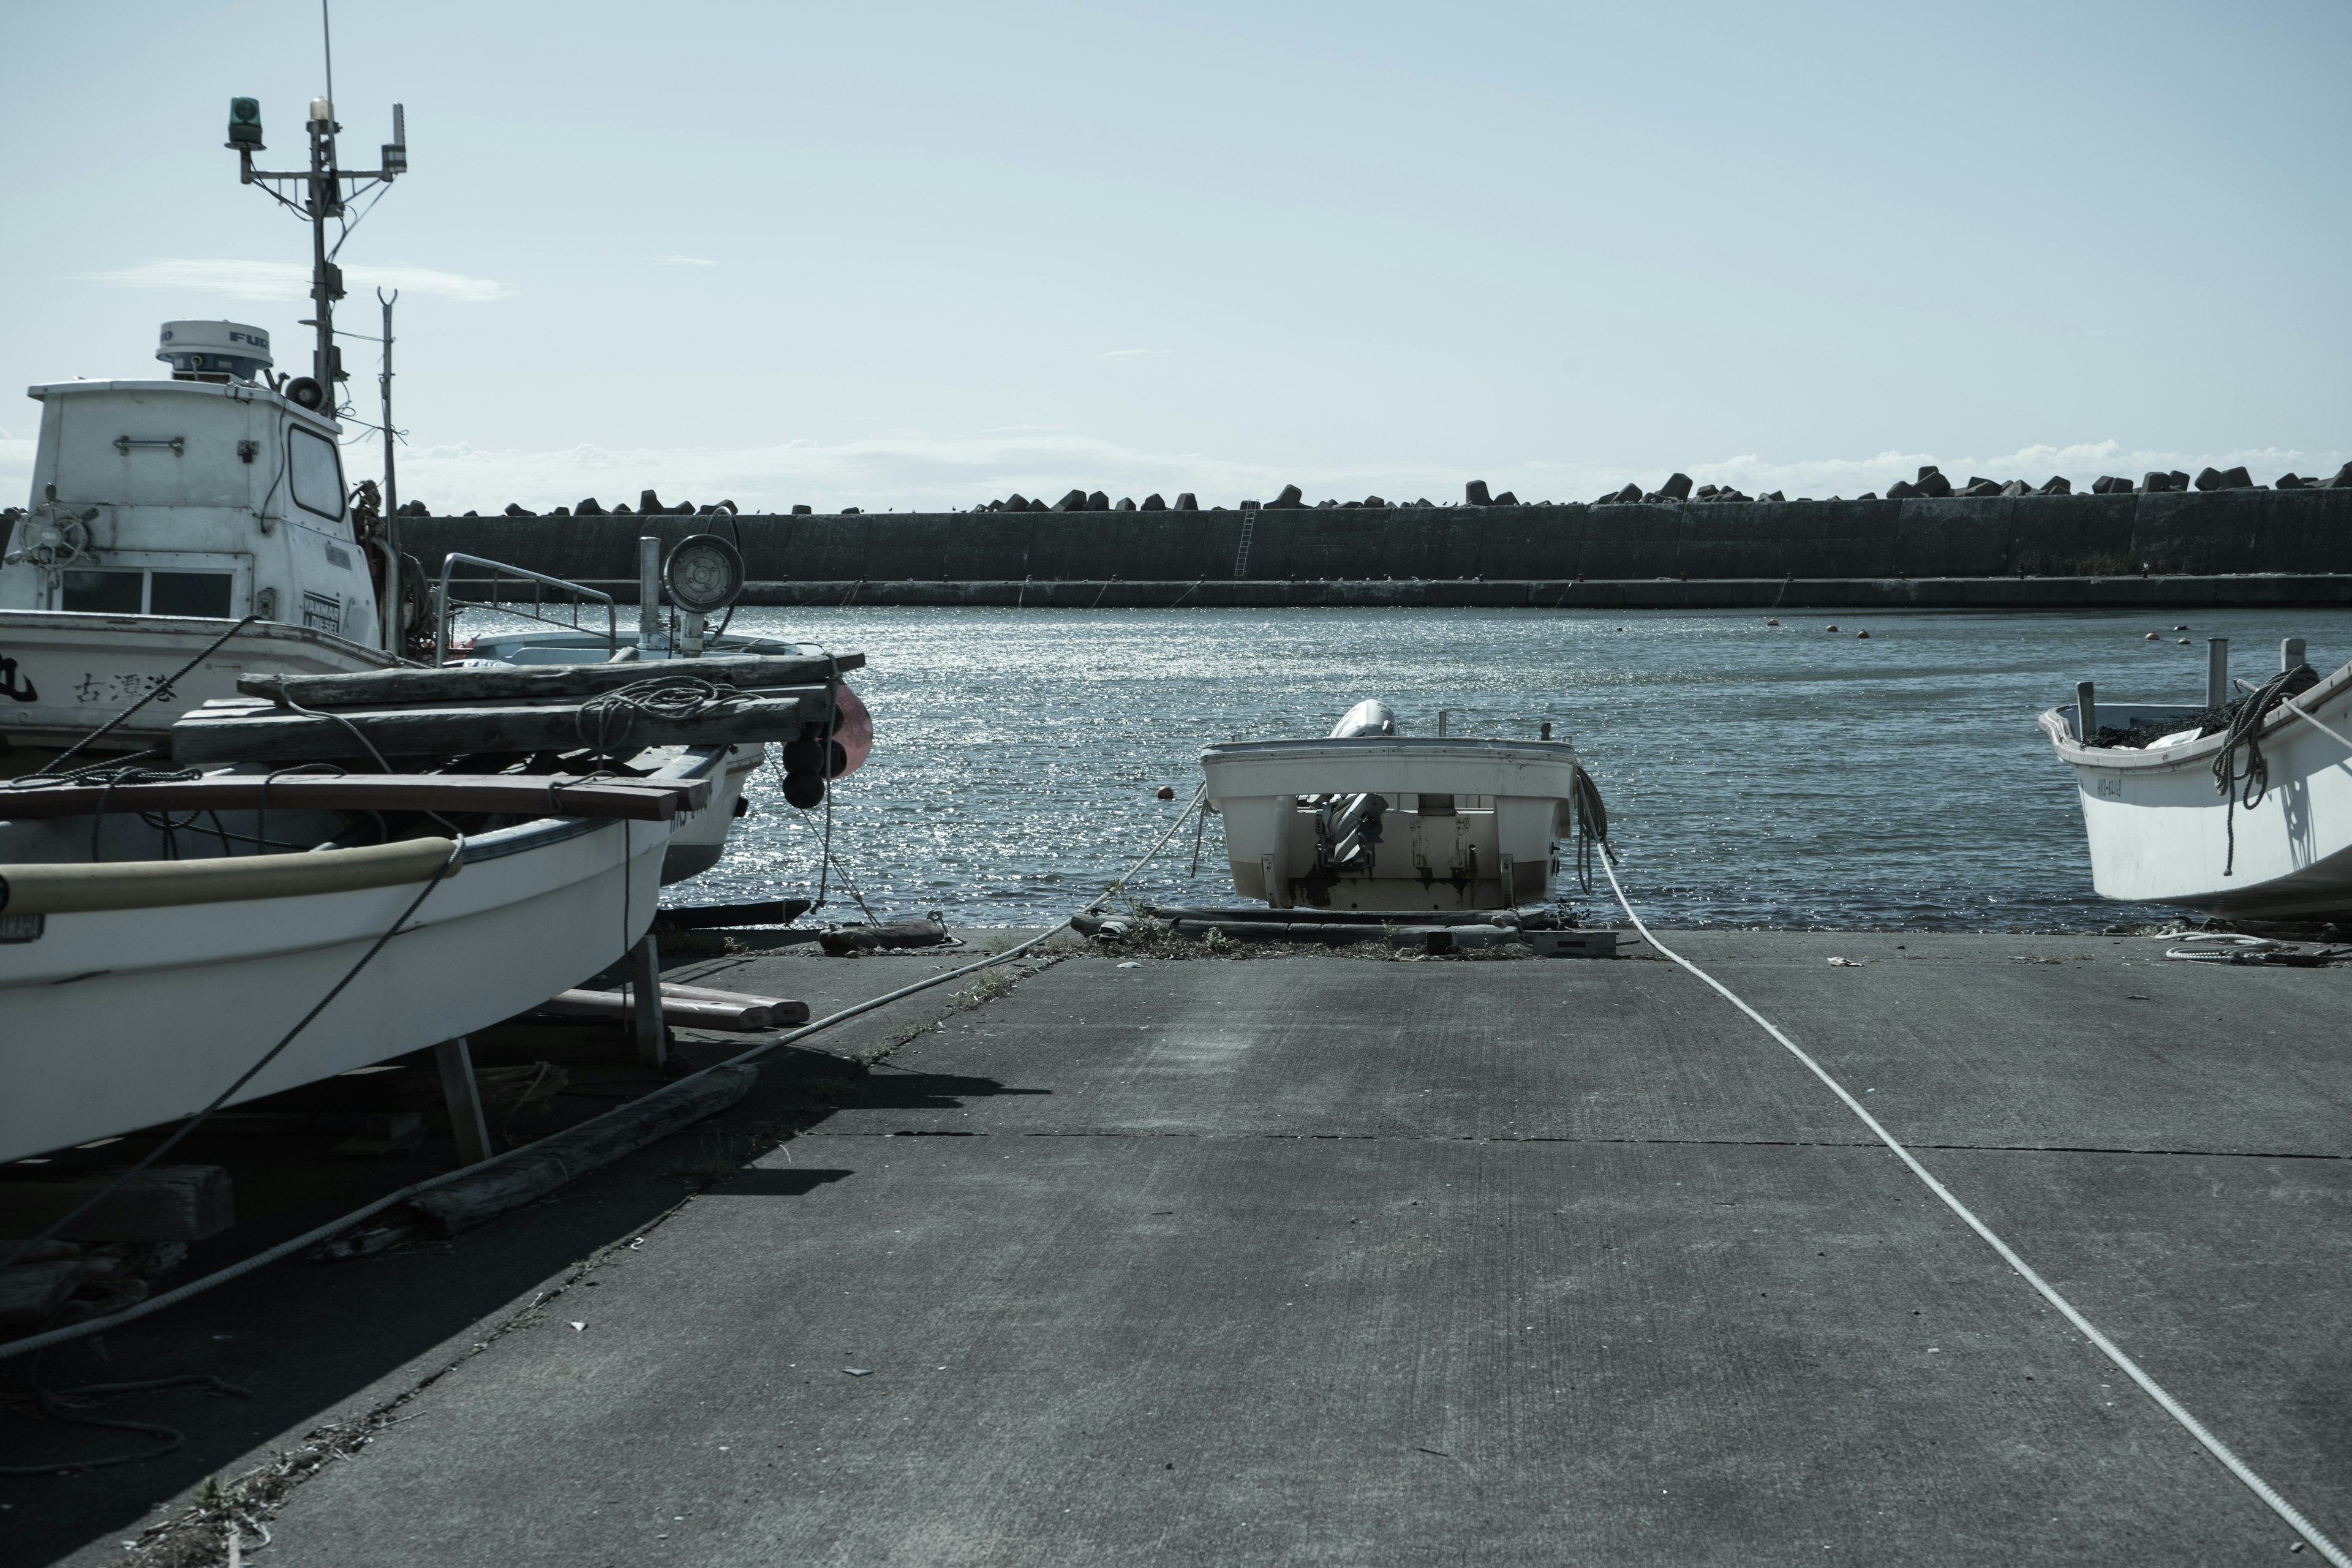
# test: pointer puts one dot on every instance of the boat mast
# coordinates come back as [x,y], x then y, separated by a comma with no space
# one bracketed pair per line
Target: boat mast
[389,612]
[325,199]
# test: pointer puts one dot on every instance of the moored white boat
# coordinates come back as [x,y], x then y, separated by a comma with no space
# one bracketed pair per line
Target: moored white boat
[2162,828]
[1367,819]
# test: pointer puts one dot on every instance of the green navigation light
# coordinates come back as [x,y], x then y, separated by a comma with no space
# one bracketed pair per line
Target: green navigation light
[245,123]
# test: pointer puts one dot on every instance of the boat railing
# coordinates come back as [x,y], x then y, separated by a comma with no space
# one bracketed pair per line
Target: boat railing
[445,610]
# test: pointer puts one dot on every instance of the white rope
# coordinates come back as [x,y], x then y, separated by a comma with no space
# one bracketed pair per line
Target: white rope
[2154,1389]
[2289,704]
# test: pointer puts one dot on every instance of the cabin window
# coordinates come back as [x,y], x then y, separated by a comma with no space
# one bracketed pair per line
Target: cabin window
[106,593]
[189,594]
[121,593]
[314,472]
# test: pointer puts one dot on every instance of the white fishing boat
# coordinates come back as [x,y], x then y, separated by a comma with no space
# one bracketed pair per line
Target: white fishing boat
[156,938]
[1370,819]
[186,534]
[166,512]
[160,927]
[195,578]
[2242,805]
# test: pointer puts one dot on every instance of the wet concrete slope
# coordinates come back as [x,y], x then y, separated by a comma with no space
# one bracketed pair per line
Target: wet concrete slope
[1313,1260]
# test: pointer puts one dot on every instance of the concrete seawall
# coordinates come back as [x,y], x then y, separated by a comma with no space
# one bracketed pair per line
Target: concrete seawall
[2227,546]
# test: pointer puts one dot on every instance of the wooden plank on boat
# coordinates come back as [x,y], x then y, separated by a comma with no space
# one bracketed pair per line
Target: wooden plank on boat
[484,683]
[514,795]
[241,733]
[82,887]
[163,1202]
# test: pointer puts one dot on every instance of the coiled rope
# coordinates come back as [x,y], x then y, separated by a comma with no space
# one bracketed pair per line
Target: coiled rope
[2089,1330]
[608,724]
[2244,734]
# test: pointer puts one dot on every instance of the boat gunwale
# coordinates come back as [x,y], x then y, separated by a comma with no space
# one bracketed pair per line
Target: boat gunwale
[2054,724]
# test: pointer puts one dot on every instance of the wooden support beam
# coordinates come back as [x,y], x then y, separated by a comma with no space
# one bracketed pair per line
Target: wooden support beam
[464,1098]
[244,732]
[645,980]
[484,683]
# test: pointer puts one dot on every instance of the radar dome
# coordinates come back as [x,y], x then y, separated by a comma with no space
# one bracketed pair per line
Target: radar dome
[215,351]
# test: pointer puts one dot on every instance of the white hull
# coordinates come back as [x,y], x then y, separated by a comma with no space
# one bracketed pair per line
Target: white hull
[64,674]
[1505,805]
[122,1019]
[2160,833]
[698,845]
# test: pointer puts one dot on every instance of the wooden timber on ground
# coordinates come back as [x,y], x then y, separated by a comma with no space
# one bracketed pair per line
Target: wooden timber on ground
[539,1168]
[244,731]
[725,917]
[30,1293]
[514,795]
[481,683]
[163,1202]
[694,1006]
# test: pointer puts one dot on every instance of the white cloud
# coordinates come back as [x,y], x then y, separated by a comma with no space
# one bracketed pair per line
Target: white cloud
[1132,354]
[682,261]
[291,279]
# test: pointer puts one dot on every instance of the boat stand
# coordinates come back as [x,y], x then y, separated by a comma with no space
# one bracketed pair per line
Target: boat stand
[464,1096]
[645,996]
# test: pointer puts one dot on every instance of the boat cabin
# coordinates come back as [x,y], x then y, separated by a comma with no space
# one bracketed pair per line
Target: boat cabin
[211,494]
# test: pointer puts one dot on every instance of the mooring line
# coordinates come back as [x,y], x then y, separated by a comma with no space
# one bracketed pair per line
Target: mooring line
[2114,1352]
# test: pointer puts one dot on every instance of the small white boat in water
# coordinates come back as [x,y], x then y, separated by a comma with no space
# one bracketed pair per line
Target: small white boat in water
[1369,819]
[2239,807]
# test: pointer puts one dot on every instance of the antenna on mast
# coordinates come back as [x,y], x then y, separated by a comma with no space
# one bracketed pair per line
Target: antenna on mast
[390,608]
[323,197]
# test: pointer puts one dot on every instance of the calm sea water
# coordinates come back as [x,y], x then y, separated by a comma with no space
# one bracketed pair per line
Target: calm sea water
[1755,775]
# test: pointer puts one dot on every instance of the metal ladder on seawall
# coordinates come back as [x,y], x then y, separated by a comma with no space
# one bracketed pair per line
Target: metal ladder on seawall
[1240,554]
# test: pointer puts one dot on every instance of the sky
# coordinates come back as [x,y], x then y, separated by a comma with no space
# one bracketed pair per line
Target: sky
[916,257]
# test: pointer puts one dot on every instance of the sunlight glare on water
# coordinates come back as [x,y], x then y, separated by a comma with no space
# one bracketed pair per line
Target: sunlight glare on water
[1755,775]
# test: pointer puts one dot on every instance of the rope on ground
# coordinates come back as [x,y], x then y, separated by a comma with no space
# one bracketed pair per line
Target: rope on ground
[68,1404]
[2130,1368]
[318,1234]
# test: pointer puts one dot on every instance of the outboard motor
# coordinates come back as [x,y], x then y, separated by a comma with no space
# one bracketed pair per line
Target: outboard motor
[1348,825]
[1346,829]
[1370,716]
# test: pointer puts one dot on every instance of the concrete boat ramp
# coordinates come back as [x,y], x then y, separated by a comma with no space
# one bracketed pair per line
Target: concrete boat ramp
[1322,1259]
